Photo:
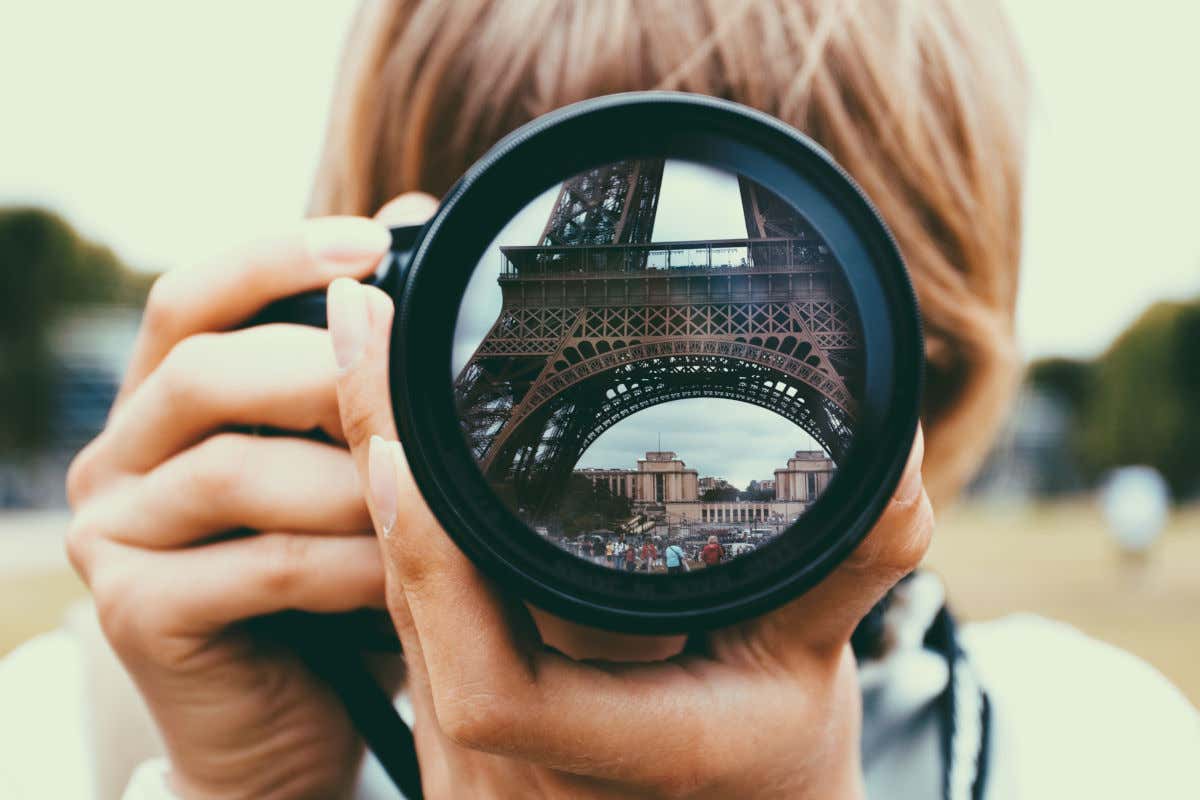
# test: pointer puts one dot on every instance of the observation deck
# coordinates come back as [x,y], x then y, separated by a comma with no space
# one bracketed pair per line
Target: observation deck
[706,256]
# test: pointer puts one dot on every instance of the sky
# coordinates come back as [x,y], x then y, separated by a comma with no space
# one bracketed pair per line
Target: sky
[172,131]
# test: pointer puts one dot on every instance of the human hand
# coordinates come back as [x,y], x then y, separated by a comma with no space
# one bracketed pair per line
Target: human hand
[166,497]
[771,708]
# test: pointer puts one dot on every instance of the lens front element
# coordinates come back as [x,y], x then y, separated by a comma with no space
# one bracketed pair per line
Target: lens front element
[657,366]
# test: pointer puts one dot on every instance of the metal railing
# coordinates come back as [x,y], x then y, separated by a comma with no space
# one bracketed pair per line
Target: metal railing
[713,256]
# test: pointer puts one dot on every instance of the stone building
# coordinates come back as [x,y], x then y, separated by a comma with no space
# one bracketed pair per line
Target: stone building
[663,486]
[660,477]
[806,475]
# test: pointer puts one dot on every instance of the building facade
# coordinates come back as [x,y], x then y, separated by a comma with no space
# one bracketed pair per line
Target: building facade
[663,485]
[660,477]
[806,475]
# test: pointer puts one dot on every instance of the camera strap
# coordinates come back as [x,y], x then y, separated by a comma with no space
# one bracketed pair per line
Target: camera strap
[964,716]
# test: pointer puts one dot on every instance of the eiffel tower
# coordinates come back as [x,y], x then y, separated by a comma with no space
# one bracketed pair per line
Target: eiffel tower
[598,323]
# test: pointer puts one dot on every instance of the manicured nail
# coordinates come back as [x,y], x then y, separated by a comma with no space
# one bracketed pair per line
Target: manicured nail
[381,470]
[346,308]
[335,242]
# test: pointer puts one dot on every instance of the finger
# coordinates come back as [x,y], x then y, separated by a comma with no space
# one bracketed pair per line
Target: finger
[360,326]
[232,481]
[201,590]
[410,208]
[280,376]
[823,619]
[219,295]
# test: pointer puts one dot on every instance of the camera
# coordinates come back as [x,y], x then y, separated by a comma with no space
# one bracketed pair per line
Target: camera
[656,362]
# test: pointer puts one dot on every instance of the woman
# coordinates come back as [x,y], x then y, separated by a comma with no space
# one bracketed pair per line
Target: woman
[925,105]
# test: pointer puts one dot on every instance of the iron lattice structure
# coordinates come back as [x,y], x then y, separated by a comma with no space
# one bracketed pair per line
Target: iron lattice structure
[598,323]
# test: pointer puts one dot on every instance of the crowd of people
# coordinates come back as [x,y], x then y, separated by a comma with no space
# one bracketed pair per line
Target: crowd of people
[632,553]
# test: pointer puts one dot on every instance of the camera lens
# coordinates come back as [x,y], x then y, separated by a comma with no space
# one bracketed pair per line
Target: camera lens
[656,365]
[656,362]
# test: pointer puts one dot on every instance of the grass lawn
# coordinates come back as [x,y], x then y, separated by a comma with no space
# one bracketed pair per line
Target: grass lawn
[32,603]
[1056,561]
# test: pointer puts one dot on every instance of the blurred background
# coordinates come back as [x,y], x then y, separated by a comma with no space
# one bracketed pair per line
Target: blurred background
[140,136]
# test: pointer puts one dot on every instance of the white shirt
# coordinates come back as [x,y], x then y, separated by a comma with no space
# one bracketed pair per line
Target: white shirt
[1072,717]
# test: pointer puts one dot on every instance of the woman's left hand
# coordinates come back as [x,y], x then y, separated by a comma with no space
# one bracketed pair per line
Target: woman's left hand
[771,709]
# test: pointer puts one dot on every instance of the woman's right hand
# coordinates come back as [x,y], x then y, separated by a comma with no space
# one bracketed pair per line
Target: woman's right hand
[156,494]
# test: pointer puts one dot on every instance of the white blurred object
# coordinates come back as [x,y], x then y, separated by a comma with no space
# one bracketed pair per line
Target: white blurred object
[1135,502]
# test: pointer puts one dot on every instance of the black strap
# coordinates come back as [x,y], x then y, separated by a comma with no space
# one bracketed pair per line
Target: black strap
[961,704]
[374,715]
[332,646]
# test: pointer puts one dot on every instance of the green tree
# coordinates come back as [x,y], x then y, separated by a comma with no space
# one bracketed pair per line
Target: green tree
[723,494]
[1139,402]
[585,506]
[1145,406]
[45,266]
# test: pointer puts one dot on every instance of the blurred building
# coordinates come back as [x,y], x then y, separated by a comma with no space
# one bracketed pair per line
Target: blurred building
[89,348]
[1031,457]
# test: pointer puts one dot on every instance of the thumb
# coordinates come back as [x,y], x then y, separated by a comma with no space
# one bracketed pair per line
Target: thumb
[360,325]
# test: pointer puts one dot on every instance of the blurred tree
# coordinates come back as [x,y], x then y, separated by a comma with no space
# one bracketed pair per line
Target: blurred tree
[1138,402]
[585,506]
[45,266]
[1067,380]
[722,494]
[756,493]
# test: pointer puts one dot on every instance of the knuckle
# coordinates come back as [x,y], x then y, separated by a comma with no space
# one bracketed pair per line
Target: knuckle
[82,475]
[218,466]
[162,306]
[116,608]
[284,564]
[358,423]
[478,717]
[898,543]
[79,544]
[179,371]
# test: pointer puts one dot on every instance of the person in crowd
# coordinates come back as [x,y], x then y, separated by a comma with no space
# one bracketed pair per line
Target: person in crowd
[675,558]
[712,552]
[845,692]
[649,554]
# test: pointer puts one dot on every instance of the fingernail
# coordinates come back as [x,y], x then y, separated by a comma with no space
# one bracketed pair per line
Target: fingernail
[346,308]
[381,471]
[337,241]
[410,208]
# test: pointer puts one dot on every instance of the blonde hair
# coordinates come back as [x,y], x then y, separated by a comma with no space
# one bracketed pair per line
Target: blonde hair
[922,101]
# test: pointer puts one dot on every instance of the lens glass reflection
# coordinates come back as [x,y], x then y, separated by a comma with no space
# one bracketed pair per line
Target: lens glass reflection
[656,365]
